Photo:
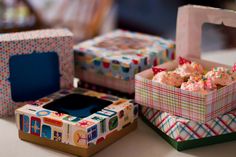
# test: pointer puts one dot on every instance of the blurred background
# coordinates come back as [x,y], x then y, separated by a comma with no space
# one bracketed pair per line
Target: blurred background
[89,18]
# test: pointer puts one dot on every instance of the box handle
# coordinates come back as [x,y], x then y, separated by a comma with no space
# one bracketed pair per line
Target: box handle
[189,27]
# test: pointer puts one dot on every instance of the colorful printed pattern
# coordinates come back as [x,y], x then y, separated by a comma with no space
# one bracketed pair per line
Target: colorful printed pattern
[24,123]
[35,126]
[181,129]
[46,131]
[72,130]
[57,136]
[183,103]
[118,55]
[42,41]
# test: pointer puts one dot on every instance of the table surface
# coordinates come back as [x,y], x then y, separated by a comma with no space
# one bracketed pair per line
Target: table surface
[142,142]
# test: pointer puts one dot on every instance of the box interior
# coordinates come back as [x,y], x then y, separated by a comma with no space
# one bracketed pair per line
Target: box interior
[77,105]
[33,76]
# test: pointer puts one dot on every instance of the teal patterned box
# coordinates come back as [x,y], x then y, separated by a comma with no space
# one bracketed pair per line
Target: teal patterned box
[120,55]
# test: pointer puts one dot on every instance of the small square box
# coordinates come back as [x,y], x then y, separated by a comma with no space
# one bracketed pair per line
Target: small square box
[187,104]
[77,121]
[32,65]
[112,60]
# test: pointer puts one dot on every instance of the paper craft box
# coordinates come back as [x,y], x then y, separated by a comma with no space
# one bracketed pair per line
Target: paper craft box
[30,66]
[38,72]
[113,59]
[184,134]
[78,121]
[187,104]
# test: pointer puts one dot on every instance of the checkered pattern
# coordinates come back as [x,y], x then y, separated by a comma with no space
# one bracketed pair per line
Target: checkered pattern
[181,129]
[182,103]
[42,41]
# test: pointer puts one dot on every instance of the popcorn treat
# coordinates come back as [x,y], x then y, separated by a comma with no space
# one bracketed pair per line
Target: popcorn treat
[194,86]
[233,76]
[234,68]
[220,76]
[169,78]
[209,84]
[196,77]
[187,69]
[197,68]
[190,76]
[234,72]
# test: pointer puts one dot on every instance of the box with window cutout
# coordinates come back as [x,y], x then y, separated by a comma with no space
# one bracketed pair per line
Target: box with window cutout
[33,64]
[188,104]
[78,121]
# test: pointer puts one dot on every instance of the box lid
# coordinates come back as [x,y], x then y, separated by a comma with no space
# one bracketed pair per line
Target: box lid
[122,54]
[189,27]
[33,65]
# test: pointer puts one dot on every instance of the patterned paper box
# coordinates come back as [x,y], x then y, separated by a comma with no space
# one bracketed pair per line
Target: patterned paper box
[118,56]
[191,105]
[25,60]
[183,131]
[187,104]
[36,119]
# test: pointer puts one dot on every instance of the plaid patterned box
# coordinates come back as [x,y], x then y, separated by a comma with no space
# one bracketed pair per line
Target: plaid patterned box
[182,131]
[112,60]
[77,128]
[20,53]
[191,105]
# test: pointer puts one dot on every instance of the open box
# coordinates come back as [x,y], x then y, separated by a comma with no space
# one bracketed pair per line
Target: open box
[184,134]
[191,105]
[37,71]
[112,60]
[78,121]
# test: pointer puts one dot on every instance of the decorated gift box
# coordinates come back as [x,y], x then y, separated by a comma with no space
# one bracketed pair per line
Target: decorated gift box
[29,66]
[183,133]
[78,121]
[168,93]
[113,59]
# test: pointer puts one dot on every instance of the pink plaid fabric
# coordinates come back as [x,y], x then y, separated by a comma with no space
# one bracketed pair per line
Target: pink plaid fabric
[182,103]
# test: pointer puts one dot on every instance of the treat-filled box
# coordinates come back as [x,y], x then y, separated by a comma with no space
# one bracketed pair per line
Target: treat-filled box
[112,60]
[77,121]
[198,106]
[184,134]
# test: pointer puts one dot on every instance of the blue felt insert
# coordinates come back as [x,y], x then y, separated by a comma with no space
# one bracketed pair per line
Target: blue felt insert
[77,105]
[33,76]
